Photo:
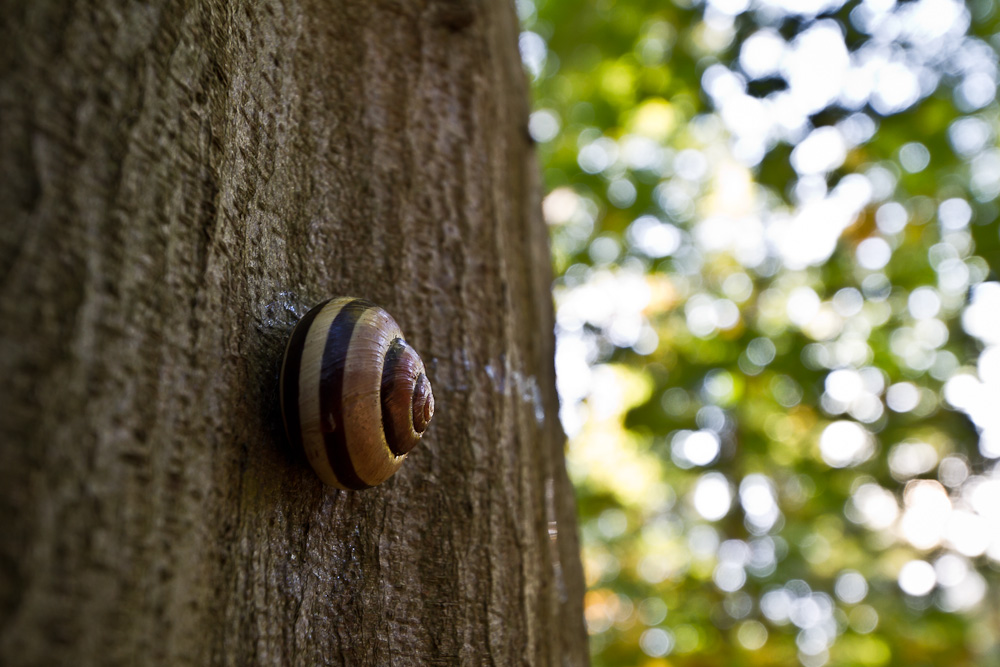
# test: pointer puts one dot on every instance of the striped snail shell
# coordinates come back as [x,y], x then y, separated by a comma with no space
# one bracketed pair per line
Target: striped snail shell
[354,394]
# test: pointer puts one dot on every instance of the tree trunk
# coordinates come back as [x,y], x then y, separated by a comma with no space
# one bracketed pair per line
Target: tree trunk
[178,182]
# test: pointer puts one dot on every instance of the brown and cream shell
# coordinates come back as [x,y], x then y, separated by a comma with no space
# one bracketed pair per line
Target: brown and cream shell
[354,395]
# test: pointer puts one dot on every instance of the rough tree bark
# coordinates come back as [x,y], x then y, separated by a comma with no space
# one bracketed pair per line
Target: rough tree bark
[176,179]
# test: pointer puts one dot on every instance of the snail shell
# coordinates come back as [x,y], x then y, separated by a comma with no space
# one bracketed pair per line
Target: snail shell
[354,394]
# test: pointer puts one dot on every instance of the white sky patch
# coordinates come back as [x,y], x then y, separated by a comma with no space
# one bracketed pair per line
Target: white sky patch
[877,507]
[978,395]
[656,642]
[851,587]
[976,90]
[809,235]
[712,496]
[742,237]
[924,303]
[697,448]
[985,182]
[761,54]
[653,237]
[857,129]
[598,155]
[817,65]
[821,152]
[930,22]
[909,459]
[982,318]
[917,578]
[954,214]
[964,593]
[968,136]
[968,533]
[642,153]
[895,87]
[612,302]
[543,125]
[573,378]
[844,385]
[534,52]
[891,217]
[902,397]
[914,157]
[802,7]
[757,496]
[802,306]
[730,7]
[845,443]
[928,509]
[874,253]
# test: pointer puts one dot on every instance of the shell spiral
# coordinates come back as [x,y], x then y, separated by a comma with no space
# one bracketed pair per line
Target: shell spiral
[354,394]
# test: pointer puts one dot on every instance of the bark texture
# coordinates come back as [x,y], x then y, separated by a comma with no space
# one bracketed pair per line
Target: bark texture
[178,182]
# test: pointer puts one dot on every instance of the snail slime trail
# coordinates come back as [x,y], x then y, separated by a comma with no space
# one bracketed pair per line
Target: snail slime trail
[354,395]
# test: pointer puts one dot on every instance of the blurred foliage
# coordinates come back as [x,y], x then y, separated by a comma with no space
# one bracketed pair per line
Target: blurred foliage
[774,230]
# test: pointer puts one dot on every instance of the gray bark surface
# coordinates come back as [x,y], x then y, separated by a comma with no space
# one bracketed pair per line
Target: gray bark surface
[179,181]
